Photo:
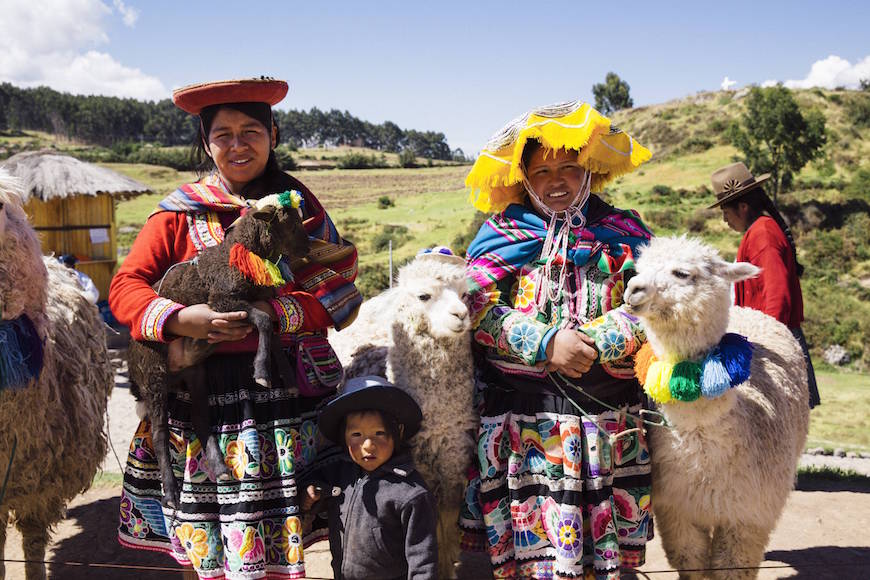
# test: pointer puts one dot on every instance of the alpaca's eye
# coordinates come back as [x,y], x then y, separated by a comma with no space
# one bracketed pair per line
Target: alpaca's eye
[424,297]
[681,274]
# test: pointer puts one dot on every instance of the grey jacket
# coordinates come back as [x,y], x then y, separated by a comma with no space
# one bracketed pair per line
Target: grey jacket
[382,525]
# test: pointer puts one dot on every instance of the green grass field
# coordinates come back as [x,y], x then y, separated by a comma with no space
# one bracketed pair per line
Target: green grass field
[432,204]
[843,418]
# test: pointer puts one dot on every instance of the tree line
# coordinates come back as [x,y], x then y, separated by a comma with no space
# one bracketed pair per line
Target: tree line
[109,121]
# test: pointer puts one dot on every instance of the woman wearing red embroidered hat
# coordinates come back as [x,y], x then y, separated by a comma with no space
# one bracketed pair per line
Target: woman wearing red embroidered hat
[249,526]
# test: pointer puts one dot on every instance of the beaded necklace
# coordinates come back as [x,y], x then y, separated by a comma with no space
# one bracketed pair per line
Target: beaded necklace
[725,366]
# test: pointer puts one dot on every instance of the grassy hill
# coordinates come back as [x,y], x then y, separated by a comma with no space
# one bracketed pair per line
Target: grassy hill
[827,208]
[415,208]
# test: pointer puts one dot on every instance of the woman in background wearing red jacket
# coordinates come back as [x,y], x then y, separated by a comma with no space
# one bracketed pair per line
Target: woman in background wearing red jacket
[766,243]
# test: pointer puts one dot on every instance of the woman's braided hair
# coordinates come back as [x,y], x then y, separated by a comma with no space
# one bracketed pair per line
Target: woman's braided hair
[760,202]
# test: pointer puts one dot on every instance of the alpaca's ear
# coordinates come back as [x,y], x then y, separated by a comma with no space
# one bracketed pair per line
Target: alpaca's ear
[737,271]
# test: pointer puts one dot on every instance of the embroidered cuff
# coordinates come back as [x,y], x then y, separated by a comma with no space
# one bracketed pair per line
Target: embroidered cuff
[523,336]
[155,317]
[290,315]
[616,334]
[542,350]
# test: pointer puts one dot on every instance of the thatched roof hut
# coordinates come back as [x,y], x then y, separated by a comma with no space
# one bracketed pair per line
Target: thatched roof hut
[48,175]
[71,204]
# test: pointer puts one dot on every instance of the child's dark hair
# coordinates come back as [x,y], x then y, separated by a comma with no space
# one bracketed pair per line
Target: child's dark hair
[391,424]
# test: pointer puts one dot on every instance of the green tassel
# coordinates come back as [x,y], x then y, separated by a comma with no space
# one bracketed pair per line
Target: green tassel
[685,381]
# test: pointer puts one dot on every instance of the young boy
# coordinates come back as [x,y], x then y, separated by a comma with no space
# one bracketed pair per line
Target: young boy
[382,518]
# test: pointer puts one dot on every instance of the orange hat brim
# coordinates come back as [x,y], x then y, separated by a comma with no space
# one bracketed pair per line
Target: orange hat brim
[194,98]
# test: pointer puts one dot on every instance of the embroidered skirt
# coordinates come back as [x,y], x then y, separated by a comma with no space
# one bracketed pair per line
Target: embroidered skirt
[551,497]
[250,527]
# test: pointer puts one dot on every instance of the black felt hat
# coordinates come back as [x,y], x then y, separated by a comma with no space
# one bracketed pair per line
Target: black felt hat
[369,393]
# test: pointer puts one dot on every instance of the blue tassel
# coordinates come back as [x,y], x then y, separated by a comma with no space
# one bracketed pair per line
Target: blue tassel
[284,268]
[715,379]
[30,344]
[14,372]
[736,354]
[21,353]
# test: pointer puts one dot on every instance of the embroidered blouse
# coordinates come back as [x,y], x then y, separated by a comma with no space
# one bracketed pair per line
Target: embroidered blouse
[515,335]
[170,237]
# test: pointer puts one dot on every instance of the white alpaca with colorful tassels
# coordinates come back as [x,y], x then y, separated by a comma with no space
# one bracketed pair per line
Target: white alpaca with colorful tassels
[732,384]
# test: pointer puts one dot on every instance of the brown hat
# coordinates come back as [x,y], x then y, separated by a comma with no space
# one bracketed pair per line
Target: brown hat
[732,181]
[193,98]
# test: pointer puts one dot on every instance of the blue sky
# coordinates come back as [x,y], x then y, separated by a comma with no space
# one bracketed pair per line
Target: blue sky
[463,68]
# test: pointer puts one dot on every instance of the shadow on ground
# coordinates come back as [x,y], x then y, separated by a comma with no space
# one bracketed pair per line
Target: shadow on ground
[825,562]
[97,542]
[824,482]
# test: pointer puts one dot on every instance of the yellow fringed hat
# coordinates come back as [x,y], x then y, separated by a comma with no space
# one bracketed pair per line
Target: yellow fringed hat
[496,179]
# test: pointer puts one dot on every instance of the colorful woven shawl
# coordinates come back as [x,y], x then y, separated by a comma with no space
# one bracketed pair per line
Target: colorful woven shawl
[207,195]
[330,267]
[515,237]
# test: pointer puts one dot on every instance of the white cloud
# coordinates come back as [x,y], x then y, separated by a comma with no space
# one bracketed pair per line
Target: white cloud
[56,43]
[769,83]
[727,84]
[128,13]
[833,72]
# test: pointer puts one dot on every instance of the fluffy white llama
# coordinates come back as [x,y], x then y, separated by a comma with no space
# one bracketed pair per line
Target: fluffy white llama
[722,474]
[58,418]
[417,336]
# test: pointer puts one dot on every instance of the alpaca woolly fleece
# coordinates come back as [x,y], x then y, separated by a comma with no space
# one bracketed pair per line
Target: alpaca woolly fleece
[418,336]
[22,275]
[723,472]
[58,420]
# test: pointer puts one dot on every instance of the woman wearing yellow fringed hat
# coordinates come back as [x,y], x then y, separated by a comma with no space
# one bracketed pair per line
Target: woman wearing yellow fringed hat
[564,476]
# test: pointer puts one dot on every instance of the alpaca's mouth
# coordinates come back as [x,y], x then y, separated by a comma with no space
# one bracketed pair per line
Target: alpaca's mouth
[634,301]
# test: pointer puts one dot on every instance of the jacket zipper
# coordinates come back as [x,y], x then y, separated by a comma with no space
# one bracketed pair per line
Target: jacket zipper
[347,514]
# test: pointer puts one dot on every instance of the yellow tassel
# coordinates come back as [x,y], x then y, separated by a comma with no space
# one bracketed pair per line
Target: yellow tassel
[657,381]
[275,277]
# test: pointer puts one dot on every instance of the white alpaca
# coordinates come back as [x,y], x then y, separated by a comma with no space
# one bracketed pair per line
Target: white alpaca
[722,474]
[417,336]
[57,419]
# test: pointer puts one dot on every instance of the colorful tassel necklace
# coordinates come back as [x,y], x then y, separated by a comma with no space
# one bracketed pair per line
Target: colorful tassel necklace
[254,268]
[726,365]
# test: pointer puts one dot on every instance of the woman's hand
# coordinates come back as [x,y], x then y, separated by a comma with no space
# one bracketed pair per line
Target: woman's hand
[200,321]
[571,353]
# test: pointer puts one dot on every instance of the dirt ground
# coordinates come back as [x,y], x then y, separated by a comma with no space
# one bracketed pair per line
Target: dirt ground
[823,534]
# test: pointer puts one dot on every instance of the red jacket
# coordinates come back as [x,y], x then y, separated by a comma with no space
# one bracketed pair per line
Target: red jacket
[777,290]
[165,240]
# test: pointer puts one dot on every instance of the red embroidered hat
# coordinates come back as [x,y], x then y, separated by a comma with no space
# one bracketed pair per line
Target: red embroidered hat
[193,98]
